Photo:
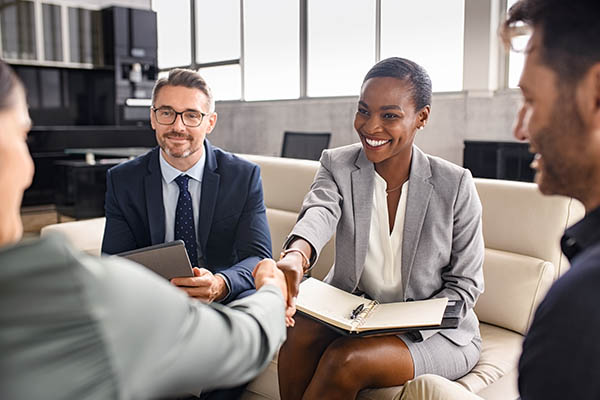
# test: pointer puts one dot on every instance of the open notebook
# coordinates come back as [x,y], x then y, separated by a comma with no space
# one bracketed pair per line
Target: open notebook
[354,315]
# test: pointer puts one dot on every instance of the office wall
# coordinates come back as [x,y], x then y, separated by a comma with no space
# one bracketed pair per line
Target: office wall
[257,127]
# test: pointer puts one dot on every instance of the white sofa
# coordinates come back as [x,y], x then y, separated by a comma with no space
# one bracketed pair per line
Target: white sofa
[521,230]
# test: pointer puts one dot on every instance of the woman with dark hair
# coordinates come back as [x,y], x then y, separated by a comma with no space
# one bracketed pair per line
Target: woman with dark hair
[408,227]
[73,328]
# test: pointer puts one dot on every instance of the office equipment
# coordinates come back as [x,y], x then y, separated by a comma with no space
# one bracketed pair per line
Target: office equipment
[169,260]
[353,315]
[306,145]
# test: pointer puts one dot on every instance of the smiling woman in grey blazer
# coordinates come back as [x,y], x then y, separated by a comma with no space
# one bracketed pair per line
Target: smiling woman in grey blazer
[408,227]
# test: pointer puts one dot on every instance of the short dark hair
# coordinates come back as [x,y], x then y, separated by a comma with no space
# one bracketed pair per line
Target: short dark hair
[186,78]
[570,33]
[9,82]
[403,69]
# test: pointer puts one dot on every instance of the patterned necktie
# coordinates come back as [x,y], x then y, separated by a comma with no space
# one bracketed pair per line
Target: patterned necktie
[184,220]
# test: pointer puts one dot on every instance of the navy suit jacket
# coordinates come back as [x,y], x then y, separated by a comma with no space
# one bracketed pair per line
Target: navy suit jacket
[232,228]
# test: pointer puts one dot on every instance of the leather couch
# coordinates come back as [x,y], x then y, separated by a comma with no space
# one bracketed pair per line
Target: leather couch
[522,259]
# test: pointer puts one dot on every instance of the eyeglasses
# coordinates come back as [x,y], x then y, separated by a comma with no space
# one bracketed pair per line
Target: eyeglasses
[167,116]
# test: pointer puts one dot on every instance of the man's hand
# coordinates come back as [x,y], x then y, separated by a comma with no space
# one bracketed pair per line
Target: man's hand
[203,286]
[266,272]
[291,265]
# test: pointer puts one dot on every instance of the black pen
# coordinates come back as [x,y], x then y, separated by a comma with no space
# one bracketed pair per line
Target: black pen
[357,311]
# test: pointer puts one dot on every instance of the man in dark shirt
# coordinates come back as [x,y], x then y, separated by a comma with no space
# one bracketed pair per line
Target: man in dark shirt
[560,117]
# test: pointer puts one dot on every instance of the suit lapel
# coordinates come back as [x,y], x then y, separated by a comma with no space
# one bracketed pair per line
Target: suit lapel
[362,201]
[208,198]
[154,199]
[419,193]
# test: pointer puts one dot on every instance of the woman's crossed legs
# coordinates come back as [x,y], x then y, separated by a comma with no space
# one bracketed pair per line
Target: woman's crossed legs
[317,363]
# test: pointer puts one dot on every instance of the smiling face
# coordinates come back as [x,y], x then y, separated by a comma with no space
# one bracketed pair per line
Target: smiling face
[16,166]
[182,145]
[551,119]
[386,120]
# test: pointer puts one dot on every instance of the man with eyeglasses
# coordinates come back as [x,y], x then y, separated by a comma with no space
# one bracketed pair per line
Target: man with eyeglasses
[188,189]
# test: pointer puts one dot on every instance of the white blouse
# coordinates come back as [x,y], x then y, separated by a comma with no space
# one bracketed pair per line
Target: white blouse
[382,276]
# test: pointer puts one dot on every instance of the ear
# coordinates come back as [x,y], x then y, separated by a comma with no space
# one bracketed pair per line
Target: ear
[595,93]
[212,121]
[423,116]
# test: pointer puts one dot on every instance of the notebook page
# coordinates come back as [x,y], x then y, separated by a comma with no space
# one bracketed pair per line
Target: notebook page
[327,302]
[406,314]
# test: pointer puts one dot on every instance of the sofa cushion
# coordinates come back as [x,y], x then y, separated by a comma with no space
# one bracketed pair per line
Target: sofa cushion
[514,286]
[500,351]
[85,235]
[285,180]
[517,218]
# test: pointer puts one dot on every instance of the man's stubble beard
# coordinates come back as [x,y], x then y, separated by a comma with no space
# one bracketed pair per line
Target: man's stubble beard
[562,142]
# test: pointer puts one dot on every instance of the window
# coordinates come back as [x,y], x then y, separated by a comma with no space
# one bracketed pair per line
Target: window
[18,30]
[429,32]
[225,81]
[339,56]
[217,30]
[218,40]
[53,50]
[271,50]
[174,33]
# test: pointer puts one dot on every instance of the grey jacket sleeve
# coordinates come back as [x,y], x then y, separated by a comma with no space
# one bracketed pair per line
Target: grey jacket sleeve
[321,209]
[162,342]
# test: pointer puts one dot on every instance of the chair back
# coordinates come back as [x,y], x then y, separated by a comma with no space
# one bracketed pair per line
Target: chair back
[305,145]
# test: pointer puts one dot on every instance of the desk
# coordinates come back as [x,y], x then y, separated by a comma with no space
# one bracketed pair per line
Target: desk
[123,152]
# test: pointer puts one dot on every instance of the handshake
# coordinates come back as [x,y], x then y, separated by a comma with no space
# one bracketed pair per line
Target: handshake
[285,274]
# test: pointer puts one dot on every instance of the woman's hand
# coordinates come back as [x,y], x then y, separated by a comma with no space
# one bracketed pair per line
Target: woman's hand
[291,265]
[266,272]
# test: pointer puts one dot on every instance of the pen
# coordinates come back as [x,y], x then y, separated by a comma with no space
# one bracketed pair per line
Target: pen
[357,311]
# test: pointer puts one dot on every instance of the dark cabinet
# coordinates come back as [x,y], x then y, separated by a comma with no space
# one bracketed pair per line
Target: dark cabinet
[499,160]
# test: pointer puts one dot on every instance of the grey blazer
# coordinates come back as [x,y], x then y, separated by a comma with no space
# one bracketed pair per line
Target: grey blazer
[442,249]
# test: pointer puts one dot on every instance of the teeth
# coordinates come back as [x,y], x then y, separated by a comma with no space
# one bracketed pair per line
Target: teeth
[375,143]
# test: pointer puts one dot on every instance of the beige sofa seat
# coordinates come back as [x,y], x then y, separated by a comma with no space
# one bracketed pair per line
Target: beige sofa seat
[85,235]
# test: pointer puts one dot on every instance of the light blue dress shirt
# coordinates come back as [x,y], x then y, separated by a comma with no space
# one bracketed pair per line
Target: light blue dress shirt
[170,192]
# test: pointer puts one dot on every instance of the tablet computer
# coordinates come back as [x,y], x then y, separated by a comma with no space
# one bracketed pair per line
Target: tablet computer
[169,260]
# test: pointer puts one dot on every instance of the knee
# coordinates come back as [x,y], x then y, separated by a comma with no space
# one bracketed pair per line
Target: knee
[341,365]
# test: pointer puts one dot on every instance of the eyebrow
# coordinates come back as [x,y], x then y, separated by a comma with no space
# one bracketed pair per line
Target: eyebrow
[388,107]
[186,110]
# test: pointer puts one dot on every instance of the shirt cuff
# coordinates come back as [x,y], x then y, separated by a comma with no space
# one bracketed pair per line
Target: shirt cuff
[228,288]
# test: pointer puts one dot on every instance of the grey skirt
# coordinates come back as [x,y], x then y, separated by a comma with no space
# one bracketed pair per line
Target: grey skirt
[438,355]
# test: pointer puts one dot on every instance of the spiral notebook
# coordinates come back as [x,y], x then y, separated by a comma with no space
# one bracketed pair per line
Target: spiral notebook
[354,315]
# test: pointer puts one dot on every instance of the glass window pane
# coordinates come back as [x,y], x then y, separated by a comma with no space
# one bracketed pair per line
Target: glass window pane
[52,32]
[225,81]
[18,30]
[434,40]
[83,33]
[173,33]
[271,50]
[339,58]
[516,59]
[218,30]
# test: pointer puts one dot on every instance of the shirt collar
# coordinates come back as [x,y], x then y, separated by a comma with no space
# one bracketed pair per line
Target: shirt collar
[582,235]
[169,173]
